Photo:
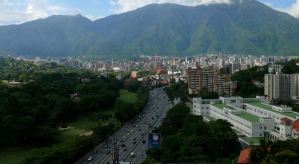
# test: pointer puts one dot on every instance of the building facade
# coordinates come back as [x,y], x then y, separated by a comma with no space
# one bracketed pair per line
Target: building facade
[209,79]
[281,86]
[194,80]
[251,117]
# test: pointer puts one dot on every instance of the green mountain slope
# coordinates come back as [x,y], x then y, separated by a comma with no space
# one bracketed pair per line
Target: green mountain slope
[242,27]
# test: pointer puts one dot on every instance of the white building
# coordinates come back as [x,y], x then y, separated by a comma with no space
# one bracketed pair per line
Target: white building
[251,117]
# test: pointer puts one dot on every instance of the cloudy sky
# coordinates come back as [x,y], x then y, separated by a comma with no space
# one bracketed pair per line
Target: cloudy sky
[18,11]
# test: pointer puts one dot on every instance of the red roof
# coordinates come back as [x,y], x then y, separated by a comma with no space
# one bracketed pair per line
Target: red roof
[244,156]
[296,125]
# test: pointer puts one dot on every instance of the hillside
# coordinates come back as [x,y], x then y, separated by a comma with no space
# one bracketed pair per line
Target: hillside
[243,27]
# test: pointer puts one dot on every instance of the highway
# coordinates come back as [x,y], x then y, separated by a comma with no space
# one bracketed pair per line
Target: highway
[132,138]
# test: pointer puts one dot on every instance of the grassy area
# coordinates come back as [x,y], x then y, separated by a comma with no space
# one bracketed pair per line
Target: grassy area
[3,81]
[81,125]
[127,96]
[13,155]
[77,127]
[86,123]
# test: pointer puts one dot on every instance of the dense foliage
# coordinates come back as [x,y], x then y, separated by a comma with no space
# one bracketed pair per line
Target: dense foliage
[290,67]
[126,111]
[249,27]
[23,71]
[31,114]
[70,151]
[276,152]
[187,138]
[205,94]
[177,90]
[35,113]
[247,81]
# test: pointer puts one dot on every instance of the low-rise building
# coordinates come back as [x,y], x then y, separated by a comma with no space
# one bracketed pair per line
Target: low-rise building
[252,117]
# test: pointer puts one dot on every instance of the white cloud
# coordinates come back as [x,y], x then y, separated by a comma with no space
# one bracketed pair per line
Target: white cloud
[128,5]
[93,17]
[294,9]
[19,11]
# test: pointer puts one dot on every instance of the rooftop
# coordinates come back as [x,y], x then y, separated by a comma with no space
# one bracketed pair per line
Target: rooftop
[210,118]
[249,117]
[251,140]
[244,156]
[269,108]
[246,116]
[219,105]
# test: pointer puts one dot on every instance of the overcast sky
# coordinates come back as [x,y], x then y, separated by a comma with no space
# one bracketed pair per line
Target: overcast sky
[18,11]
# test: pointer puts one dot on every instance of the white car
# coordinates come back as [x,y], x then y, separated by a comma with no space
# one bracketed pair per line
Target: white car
[90,158]
[132,154]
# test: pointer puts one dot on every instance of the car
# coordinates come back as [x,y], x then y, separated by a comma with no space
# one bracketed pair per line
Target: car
[139,129]
[108,152]
[132,154]
[123,145]
[90,158]
[134,139]
[144,141]
[134,142]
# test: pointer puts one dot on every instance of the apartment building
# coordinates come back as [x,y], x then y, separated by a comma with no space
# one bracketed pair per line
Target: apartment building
[209,79]
[194,80]
[281,86]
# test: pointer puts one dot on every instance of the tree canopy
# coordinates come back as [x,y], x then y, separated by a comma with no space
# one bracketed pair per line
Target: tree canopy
[188,138]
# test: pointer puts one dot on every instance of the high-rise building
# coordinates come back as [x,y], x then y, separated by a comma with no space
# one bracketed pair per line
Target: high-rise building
[208,79]
[281,86]
[224,86]
[272,86]
[194,80]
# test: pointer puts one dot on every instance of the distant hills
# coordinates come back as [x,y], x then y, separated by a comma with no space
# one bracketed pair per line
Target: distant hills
[242,27]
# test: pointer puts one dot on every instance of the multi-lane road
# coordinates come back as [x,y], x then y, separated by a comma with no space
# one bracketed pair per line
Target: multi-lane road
[132,138]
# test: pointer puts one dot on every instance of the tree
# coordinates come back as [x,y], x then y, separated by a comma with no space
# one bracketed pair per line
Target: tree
[245,79]
[125,111]
[133,85]
[286,156]
[188,138]
[290,67]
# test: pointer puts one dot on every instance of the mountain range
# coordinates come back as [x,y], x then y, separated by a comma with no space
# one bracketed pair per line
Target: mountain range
[242,27]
